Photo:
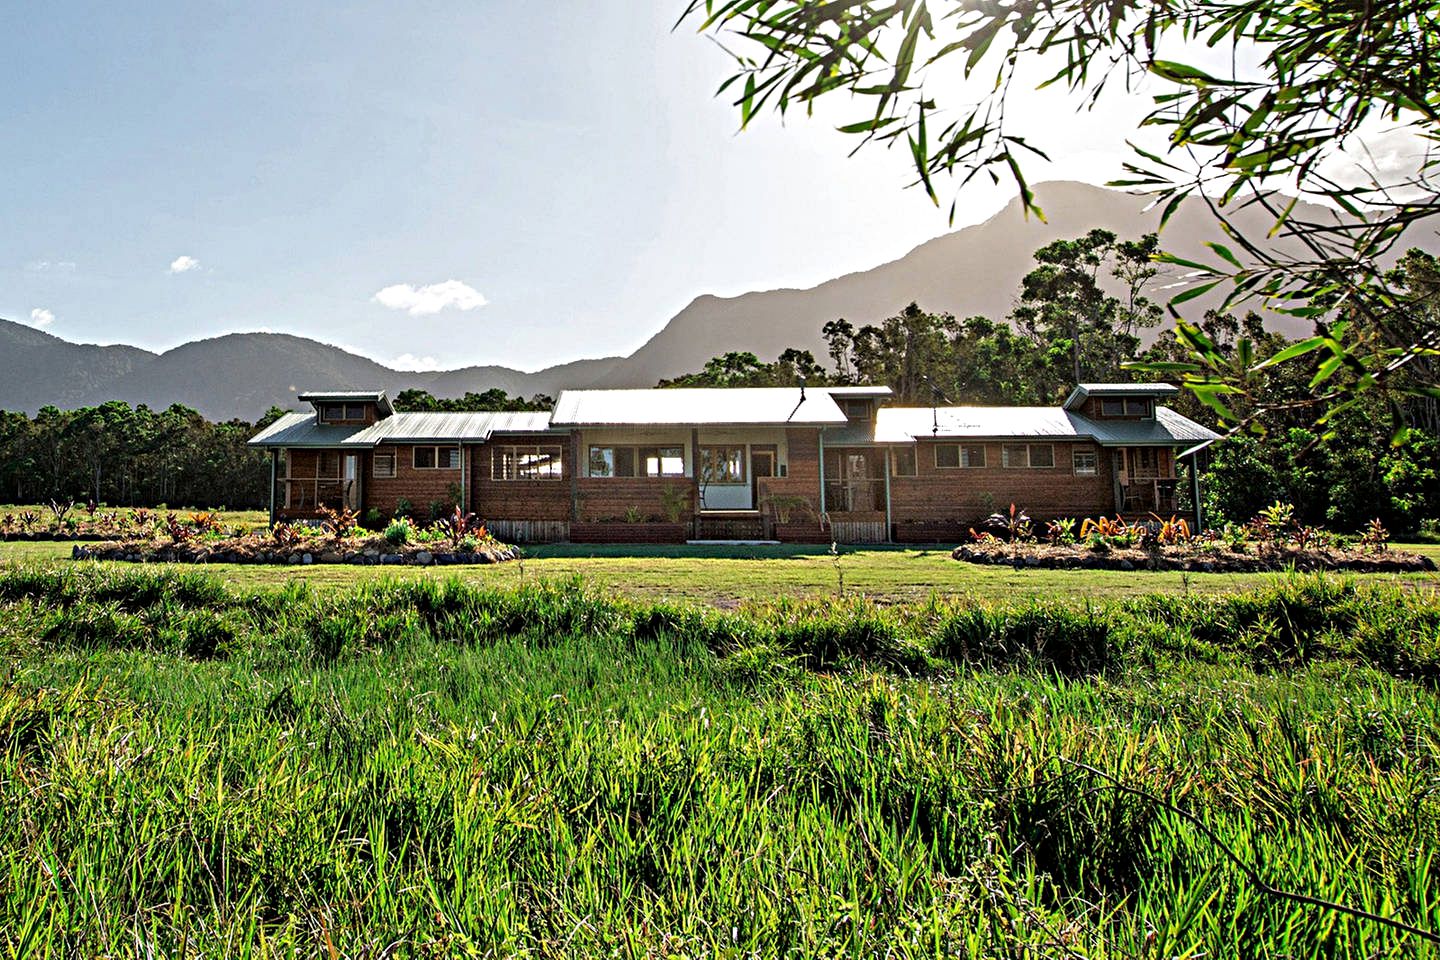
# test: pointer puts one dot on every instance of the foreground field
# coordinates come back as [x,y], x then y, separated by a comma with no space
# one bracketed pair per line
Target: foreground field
[434,769]
[725,576]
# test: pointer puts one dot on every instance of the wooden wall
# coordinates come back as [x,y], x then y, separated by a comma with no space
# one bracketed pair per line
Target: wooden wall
[519,499]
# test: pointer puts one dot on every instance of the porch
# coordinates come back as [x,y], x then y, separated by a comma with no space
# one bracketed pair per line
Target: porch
[308,480]
[1145,481]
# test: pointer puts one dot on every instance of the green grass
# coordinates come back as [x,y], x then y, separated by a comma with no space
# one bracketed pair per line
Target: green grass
[727,576]
[430,768]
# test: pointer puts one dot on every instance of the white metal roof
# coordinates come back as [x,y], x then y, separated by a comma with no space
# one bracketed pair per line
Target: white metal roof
[738,406]
[905,424]
[352,396]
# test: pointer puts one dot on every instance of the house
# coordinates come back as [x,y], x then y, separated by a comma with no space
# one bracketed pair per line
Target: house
[789,463]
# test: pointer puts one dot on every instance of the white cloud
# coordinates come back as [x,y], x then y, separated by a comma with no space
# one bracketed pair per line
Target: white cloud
[184,264]
[50,266]
[410,362]
[40,317]
[423,301]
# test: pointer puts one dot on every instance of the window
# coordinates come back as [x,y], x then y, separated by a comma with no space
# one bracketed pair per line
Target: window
[332,411]
[327,464]
[1138,407]
[1086,462]
[856,409]
[383,466]
[1112,407]
[947,456]
[903,462]
[972,455]
[437,458]
[1016,455]
[663,461]
[354,411]
[527,462]
[722,464]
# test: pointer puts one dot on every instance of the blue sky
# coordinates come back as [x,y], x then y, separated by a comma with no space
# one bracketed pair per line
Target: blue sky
[197,169]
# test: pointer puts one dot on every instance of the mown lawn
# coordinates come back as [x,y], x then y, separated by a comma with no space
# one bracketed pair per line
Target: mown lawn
[430,769]
[725,576]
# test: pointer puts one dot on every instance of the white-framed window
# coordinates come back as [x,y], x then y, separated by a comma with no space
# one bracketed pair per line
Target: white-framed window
[437,458]
[972,455]
[947,456]
[527,462]
[382,466]
[1085,461]
[663,461]
[902,462]
[722,464]
[1019,455]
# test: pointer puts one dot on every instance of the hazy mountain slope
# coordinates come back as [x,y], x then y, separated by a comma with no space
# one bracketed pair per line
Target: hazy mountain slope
[244,374]
[974,270]
[37,368]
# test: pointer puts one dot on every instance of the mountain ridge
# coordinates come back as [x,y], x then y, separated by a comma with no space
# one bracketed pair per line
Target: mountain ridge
[975,270]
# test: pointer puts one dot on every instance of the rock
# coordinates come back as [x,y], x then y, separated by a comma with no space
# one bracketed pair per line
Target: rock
[371,552]
[391,559]
[1032,561]
[307,559]
[424,558]
[293,558]
[1126,565]
[330,556]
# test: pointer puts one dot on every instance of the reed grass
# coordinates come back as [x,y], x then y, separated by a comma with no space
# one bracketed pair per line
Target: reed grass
[429,768]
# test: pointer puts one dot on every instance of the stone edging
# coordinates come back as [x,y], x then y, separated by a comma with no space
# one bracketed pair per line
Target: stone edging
[1081,559]
[133,553]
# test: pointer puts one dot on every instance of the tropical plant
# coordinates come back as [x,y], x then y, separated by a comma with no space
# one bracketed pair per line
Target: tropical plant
[675,502]
[1061,531]
[339,524]
[285,535]
[1013,526]
[460,525]
[1375,538]
[399,532]
[177,530]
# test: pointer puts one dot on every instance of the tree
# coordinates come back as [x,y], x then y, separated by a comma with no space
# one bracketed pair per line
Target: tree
[1251,136]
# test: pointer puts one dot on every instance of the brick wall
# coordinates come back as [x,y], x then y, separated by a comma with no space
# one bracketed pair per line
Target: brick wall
[519,499]
[420,486]
[606,498]
[959,495]
[802,474]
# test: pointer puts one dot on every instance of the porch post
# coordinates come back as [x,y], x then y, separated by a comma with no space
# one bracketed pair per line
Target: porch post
[274,460]
[575,476]
[889,530]
[1195,491]
[823,512]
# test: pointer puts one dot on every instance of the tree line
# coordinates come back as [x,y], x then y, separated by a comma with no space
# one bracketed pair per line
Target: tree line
[1378,456]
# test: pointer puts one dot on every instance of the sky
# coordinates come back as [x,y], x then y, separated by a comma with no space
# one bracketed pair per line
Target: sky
[430,184]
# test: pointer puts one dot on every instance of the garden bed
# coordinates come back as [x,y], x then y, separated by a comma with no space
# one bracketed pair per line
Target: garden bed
[371,551]
[1263,560]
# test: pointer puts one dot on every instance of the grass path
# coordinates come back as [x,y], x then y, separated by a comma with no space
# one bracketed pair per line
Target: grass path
[727,576]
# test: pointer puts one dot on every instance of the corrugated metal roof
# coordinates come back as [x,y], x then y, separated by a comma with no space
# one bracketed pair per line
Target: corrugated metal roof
[903,424]
[739,406]
[301,430]
[857,391]
[1084,390]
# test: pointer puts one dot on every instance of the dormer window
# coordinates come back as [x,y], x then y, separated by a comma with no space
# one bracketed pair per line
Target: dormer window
[342,412]
[856,409]
[1127,407]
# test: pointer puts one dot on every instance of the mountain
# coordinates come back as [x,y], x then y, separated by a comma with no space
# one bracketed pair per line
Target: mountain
[37,368]
[974,270]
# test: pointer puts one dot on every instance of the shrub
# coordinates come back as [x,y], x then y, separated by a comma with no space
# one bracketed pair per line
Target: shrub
[399,532]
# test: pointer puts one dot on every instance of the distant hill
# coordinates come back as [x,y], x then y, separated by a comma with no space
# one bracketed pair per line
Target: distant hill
[974,270]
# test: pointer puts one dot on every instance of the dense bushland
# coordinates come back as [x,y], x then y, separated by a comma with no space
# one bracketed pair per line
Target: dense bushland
[440,769]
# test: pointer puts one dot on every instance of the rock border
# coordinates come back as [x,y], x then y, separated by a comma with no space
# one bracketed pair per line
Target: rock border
[367,556]
[1028,556]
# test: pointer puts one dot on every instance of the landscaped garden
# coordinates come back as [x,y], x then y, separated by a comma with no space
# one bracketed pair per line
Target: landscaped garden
[430,768]
[1274,540]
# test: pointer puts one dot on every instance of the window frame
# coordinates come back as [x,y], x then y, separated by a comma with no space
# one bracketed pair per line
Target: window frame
[1030,455]
[1112,406]
[914,460]
[435,449]
[643,456]
[554,471]
[947,447]
[706,460]
[967,462]
[1146,405]
[1094,455]
[375,460]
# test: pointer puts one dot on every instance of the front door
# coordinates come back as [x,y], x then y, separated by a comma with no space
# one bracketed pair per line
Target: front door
[350,478]
[762,464]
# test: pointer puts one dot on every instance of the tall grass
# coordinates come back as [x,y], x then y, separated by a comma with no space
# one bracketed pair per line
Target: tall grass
[431,769]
